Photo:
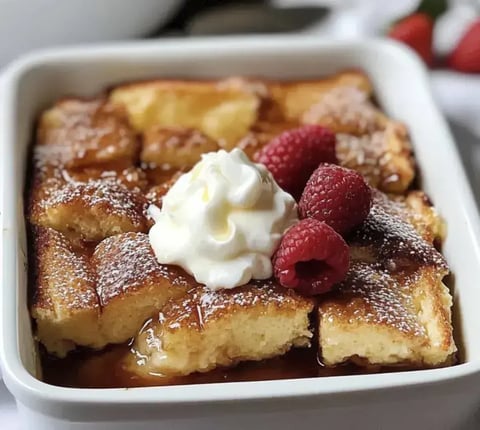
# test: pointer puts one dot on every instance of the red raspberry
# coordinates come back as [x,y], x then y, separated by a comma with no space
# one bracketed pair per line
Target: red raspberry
[292,156]
[311,258]
[337,196]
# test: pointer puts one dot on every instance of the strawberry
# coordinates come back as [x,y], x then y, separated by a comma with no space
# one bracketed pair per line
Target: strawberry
[466,56]
[416,31]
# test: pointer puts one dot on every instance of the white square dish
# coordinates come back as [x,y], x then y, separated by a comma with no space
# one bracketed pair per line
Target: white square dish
[437,398]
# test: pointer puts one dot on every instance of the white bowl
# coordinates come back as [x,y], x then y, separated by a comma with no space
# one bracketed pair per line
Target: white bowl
[438,398]
[26,25]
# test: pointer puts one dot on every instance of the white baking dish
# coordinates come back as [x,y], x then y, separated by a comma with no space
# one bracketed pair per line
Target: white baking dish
[440,398]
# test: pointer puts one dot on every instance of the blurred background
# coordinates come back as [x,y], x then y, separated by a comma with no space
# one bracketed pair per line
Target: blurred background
[444,33]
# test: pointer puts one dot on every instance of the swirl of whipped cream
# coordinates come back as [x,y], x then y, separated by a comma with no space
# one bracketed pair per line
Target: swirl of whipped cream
[222,221]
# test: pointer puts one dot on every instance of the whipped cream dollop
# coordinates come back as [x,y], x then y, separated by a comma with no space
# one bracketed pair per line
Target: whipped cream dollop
[222,221]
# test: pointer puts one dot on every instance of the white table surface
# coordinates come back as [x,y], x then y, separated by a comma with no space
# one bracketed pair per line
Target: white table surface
[8,410]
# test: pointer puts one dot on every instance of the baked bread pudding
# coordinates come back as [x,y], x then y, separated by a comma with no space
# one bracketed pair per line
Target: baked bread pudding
[237,229]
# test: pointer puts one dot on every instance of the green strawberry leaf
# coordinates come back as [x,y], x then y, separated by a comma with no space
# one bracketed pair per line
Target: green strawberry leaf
[433,8]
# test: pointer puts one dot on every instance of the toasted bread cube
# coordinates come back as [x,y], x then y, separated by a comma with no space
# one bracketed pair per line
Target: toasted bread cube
[175,147]
[48,182]
[380,319]
[423,216]
[384,157]
[77,133]
[296,98]
[208,329]
[44,183]
[93,210]
[132,285]
[223,112]
[346,110]
[392,308]
[416,209]
[65,306]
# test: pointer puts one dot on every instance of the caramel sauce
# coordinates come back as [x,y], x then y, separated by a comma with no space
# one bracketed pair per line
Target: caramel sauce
[108,369]
[112,368]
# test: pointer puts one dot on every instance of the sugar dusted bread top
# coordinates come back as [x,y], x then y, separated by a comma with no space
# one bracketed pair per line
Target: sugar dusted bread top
[392,308]
[207,329]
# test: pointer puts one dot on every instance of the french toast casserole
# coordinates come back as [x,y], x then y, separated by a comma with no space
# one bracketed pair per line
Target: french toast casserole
[107,313]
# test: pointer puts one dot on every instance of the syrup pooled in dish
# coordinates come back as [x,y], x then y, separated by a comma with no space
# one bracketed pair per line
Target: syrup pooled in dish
[110,310]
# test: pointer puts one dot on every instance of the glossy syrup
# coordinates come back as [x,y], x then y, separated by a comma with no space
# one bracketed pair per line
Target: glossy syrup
[111,368]
[108,369]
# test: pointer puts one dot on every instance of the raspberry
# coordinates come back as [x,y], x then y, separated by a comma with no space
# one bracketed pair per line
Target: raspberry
[311,258]
[292,156]
[337,196]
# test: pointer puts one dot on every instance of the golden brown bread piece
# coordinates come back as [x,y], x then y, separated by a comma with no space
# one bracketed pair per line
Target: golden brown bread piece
[132,285]
[223,112]
[248,113]
[384,157]
[423,216]
[208,329]
[345,109]
[295,98]
[392,309]
[377,318]
[99,300]
[92,210]
[48,180]
[65,305]
[175,147]
[77,133]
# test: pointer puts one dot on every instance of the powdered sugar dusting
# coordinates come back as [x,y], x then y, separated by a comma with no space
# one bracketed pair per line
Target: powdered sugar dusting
[64,277]
[111,196]
[363,154]
[132,178]
[393,240]
[127,262]
[384,299]
[81,133]
[202,305]
[345,106]
[389,259]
